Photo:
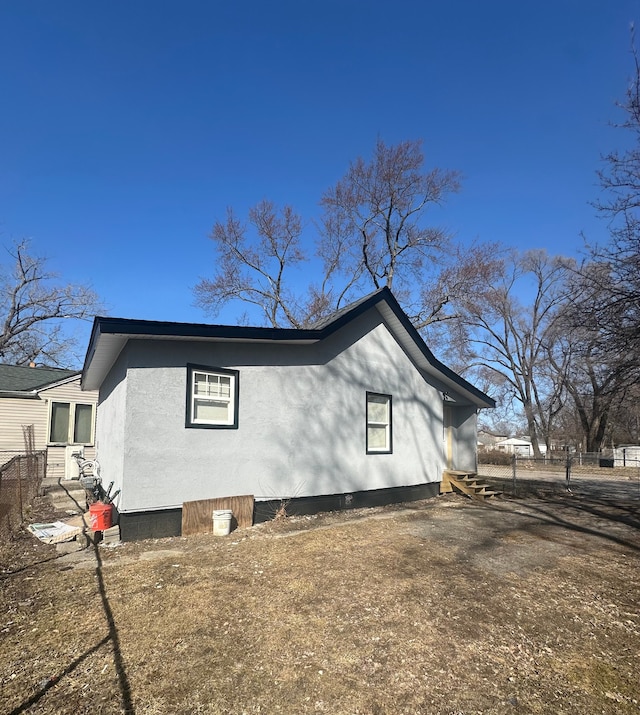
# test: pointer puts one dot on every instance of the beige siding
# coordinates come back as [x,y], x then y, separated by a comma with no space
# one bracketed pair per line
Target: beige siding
[18,412]
[68,392]
[56,460]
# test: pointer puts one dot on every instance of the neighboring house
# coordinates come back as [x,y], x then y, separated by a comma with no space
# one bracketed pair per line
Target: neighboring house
[626,455]
[44,409]
[352,412]
[518,445]
[488,440]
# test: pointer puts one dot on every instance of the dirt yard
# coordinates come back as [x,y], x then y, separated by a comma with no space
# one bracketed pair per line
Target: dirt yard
[526,605]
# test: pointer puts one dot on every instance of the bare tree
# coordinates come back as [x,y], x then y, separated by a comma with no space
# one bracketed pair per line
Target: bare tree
[594,390]
[596,375]
[533,326]
[465,271]
[500,333]
[374,217]
[372,232]
[625,417]
[254,267]
[617,283]
[34,309]
[600,346]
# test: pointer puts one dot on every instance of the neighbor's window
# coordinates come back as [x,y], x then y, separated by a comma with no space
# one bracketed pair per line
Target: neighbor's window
[71,423]
[378,423]
[212,397]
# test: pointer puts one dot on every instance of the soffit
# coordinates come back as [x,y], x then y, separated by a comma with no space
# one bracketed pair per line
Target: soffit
[106,347]
[110,335]
[418,351]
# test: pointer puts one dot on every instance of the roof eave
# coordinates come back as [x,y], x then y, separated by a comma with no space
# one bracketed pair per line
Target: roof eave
[423,355]
[118,331]
[110,335]
[57,383]
[20,394]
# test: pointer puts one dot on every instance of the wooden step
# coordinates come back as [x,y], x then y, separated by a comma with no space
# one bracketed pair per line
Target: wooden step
[468,483]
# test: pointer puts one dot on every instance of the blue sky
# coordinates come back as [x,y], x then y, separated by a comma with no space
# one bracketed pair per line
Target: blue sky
[127,128]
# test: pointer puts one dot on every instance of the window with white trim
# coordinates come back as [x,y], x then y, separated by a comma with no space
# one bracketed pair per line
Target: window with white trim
[378,423]
[212,399]
[70,423]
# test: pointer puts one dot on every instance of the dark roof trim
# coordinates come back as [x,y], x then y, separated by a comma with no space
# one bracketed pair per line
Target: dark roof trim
[417,338]
[126,328]
[159,328]
[163,329]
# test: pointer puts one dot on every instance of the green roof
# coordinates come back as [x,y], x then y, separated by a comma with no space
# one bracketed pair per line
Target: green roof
[18,378]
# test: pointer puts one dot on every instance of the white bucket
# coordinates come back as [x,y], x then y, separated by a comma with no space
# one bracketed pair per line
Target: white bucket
[222,522]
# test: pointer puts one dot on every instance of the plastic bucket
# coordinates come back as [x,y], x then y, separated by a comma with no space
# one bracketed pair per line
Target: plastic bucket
[222,521]
[100,516]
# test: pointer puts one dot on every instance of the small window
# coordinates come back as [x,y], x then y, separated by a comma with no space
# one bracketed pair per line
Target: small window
[71,423]
[82,424]
[212,399]
[378,423]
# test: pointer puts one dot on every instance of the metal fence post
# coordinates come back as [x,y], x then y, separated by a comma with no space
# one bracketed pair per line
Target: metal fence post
[568,471]
[20,488]
[514,470]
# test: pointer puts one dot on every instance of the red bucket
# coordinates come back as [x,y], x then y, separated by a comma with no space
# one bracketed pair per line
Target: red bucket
[100,516]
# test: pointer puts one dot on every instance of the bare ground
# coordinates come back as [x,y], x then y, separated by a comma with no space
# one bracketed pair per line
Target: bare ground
[527,605]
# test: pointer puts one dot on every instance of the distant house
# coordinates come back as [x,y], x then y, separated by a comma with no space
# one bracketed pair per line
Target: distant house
[626,455]
[518,445]
[355,411]
[487,440]
[44,409]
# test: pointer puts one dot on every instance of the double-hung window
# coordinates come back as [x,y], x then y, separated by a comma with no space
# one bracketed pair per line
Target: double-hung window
[71,423]
[212,397]
[378,423]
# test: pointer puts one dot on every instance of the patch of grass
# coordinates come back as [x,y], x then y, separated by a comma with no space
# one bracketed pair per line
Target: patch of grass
[443,606]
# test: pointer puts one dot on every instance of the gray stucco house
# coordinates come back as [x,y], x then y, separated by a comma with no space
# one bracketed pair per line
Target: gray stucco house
[355,411]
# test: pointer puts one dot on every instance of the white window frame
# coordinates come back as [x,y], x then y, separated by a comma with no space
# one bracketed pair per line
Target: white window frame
[387,424]
[231,400]
[71,426]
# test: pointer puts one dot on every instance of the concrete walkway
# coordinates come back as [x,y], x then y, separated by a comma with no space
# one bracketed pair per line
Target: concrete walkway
[67,497]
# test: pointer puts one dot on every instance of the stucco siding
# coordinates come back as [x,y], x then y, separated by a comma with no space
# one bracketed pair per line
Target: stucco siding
[302,420]
[465,438]
[111,425]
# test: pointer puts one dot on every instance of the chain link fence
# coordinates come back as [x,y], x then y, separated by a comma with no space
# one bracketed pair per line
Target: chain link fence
[21,476]
[615,473]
